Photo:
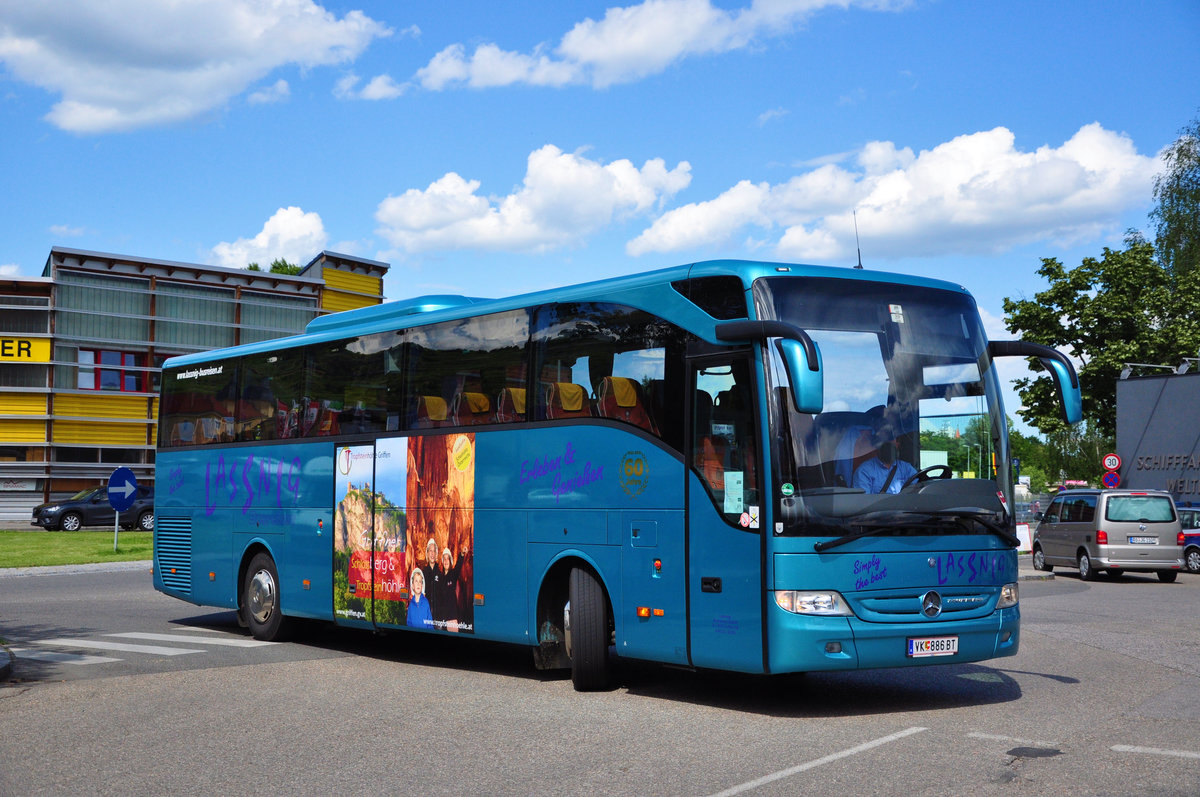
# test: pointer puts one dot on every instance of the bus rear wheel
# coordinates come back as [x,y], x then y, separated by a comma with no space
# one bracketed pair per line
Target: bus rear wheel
[260,600]
[587,632]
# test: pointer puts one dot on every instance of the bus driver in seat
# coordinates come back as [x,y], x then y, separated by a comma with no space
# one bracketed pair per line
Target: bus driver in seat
[886,472]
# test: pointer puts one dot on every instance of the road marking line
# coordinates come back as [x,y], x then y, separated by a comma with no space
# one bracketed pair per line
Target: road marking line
[191,639]
[1125,748]
[157,650]
[1025,742]
[63,658]
[784,773]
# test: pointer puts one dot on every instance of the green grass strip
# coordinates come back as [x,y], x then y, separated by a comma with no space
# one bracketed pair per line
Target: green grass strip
[41,548]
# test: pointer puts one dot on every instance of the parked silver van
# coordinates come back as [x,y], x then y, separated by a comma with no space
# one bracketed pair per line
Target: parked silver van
[1118,531]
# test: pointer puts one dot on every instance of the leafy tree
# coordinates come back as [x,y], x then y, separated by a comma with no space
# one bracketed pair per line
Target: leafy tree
[1177,212]
[278,266]
[281,266]
[1124,307]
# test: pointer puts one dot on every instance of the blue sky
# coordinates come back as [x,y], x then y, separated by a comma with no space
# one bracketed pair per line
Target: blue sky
[493,148]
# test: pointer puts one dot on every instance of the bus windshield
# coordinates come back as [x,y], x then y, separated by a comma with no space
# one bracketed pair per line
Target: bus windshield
[912,436]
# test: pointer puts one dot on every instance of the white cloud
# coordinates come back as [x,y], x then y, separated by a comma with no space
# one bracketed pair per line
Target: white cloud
[9,270]
[977,193]
[125,64]
[380,87]
[564,197]
[276,92]
[291,234]
[66,231]
[771,115]
[629,43]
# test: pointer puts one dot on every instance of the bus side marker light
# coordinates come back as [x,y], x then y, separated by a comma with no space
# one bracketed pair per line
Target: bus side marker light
[306,583]
[643,611]
[211,575]
[658,565]
[478,598]
[658,612]
[833,647]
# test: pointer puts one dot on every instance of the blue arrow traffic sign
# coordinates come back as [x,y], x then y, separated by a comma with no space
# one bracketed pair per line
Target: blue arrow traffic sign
[122,489]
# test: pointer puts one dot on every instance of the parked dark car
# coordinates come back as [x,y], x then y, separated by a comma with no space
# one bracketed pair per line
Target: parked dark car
[1191,538]
[91,508]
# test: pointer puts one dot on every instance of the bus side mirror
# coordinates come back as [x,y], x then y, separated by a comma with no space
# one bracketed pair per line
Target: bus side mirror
[1060,368]
[1068,394]
[807,383]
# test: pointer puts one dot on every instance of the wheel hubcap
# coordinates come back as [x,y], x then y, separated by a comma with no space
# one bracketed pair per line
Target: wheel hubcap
[1193,561]
[261,598]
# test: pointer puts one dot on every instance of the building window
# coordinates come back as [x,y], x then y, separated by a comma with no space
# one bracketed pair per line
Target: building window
[118,371]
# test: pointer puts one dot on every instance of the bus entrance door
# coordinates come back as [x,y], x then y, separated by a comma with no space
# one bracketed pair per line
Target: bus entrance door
[725,593]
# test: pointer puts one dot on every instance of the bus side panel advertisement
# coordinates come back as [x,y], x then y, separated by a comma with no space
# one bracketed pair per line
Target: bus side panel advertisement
[404,533]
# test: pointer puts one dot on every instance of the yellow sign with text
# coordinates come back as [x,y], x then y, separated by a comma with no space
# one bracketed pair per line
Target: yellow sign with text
[25,350]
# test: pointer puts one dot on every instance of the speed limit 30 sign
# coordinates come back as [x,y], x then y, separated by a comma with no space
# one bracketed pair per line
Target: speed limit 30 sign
[1111,462]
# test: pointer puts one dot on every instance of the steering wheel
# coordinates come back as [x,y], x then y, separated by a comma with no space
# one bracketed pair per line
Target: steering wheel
[926,474]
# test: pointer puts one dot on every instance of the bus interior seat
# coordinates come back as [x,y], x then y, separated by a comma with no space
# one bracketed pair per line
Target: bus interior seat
[730,411]
[431,413]
[472,409]
[510,405]
[567,400]
[836,434]
[711,450]
[620,398]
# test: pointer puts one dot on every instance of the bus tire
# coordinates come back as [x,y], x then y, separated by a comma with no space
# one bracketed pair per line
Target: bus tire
[590,668]
[260,600]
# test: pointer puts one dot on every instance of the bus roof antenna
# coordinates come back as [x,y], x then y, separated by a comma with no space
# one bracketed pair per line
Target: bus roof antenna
[856,243]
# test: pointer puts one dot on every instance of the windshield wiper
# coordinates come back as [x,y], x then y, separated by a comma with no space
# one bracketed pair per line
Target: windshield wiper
[878,522]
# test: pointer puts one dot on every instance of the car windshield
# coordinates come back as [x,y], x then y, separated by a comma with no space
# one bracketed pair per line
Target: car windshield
[912,418]
[83,495]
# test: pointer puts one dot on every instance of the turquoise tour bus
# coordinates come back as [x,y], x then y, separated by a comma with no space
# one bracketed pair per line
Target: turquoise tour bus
[742,466]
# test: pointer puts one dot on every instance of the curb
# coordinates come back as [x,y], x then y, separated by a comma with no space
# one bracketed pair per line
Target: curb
[6,663]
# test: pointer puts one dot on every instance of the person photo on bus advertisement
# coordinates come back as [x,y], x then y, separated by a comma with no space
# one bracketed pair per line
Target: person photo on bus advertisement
[886,472]
[419,615]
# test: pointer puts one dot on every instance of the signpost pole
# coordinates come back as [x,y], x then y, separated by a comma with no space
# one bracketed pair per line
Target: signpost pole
[122,490]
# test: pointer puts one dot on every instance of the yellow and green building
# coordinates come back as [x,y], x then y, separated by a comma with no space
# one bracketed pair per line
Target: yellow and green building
[81,348]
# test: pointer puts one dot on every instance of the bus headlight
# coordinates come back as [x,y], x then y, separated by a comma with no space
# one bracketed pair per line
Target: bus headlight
[1008,596]
[821,602]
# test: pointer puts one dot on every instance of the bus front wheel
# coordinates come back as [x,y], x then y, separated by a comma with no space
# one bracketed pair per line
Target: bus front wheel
[260,600]
[587,632]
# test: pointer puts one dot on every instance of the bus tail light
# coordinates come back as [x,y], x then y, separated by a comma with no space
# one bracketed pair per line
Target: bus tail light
[1101,537]
[819,602]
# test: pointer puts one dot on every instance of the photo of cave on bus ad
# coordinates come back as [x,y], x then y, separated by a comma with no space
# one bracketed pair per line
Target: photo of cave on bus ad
[404,528]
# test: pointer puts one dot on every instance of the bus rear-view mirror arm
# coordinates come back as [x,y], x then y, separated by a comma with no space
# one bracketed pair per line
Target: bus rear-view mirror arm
[1060,368]
[800,354]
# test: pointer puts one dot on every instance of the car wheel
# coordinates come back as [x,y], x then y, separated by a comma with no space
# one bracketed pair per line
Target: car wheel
[1086,571]
[589,634]
[260,600]
[1039,561]
[1167,576]
[71,522]
[1191,558]
[146,521]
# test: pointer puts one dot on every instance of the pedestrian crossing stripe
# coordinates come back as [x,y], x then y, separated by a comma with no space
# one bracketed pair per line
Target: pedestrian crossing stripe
[63,657]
